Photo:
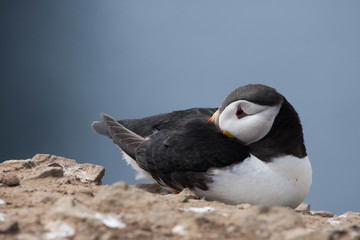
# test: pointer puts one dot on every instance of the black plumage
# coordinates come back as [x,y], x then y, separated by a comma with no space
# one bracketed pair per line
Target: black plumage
[177,153]
[284,138]
[177,158]
[256,93]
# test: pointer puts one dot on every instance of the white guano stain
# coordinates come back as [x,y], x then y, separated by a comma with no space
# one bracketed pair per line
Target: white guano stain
[179,229]
[110,221]
[198,210]
[333,221]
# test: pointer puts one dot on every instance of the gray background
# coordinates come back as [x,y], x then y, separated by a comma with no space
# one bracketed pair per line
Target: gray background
[64,62]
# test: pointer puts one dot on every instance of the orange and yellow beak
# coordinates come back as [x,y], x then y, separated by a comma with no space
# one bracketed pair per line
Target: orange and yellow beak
[229,135]
[211,119]
[215,119]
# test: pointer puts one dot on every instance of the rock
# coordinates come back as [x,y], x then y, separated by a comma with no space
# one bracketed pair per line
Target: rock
[9,226]
[61,199]
[244,206]
[121,185]
[48,198]
[10,180]
[325,214]
[46,165]
[86,172]
[28,164]
[303,207]
[185,195]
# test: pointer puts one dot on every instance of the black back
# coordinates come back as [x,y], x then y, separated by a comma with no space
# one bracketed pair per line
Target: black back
[168,121]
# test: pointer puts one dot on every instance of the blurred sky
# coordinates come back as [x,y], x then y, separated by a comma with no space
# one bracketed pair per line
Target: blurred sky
[62,63]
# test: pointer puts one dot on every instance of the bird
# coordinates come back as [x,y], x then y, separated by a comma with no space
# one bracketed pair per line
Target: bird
[248,150]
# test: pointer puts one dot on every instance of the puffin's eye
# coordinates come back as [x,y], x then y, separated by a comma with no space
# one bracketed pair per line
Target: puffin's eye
[240,113]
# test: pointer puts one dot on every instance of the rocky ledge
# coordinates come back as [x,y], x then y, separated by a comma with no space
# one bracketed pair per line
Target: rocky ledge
[50,197]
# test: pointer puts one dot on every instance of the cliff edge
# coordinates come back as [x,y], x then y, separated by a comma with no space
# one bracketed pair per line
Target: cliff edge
[51,197]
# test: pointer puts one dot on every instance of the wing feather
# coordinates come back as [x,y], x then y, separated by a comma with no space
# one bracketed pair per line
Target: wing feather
[182,158]
[127,140]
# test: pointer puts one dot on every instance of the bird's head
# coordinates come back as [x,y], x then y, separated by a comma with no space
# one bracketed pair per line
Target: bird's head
[248,113]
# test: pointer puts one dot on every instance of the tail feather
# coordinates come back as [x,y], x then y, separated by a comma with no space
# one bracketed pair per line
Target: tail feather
[99,128]
[127,140]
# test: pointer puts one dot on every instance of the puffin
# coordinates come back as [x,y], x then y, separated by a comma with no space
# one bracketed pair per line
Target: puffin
[249,150]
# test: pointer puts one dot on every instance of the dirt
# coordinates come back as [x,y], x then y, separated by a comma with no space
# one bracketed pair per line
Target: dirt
[50,197]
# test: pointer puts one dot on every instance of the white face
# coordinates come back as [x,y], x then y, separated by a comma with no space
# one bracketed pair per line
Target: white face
[247,121]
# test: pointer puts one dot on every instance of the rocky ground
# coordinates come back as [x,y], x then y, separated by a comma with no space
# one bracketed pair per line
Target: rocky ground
[50,197]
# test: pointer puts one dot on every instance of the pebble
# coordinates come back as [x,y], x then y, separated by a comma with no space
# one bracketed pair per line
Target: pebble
[10,180]
[48,198]
[121,185]
[325,214]
[9,226]
[185,195]
[243,206]
[303,207]
[28,164]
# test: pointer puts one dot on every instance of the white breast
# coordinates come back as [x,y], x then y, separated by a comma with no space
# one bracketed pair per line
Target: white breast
[285,181]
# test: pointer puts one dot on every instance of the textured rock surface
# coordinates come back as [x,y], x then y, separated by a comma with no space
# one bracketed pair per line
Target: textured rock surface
[56,198]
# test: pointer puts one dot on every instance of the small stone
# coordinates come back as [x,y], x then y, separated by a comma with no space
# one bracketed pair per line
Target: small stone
[9,226]
[303,207]
[84,172]
[325,214]
[10,180]
[121,185]
[28,164]
[48,198]
[185,195]
[244,206]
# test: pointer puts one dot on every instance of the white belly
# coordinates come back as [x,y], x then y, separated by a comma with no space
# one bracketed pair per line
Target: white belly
[285,181]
